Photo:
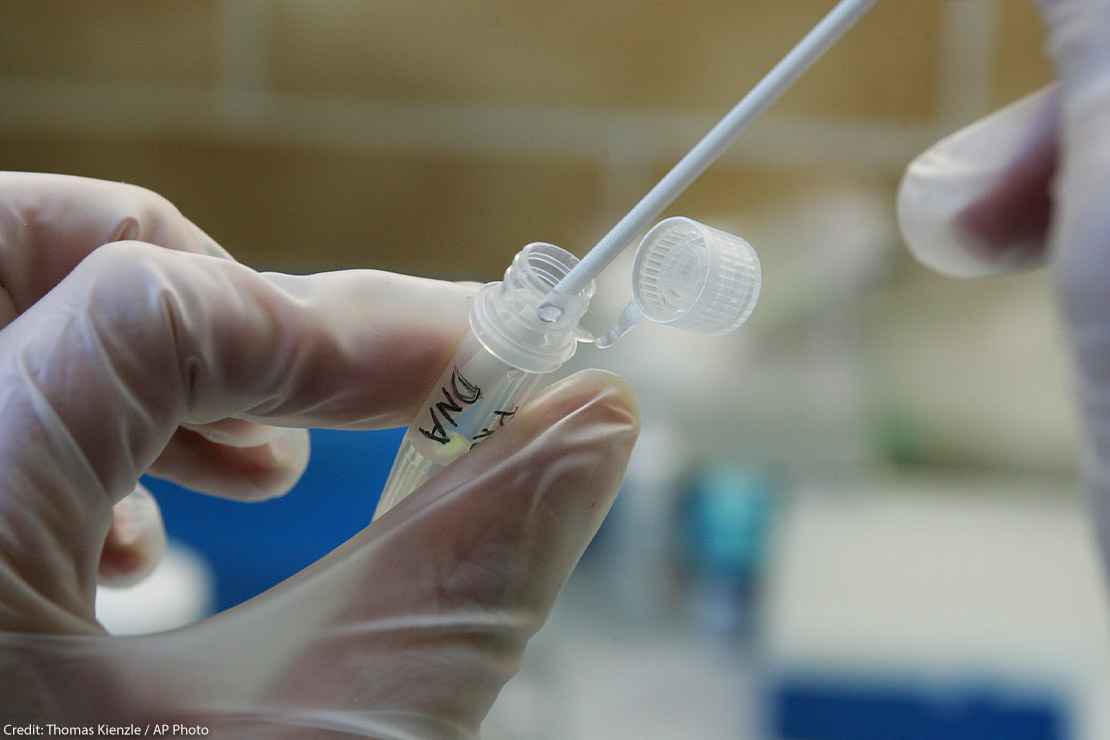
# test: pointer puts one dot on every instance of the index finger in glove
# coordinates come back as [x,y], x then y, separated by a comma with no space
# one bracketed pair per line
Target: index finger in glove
[49,223]
[97,376]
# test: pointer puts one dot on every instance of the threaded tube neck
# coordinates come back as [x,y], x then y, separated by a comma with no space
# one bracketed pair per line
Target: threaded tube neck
[505,316]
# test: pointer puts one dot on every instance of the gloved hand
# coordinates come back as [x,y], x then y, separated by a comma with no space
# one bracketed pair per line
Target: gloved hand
[1033,182]
[158,352]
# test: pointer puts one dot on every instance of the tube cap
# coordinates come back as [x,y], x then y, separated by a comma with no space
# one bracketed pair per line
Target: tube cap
[693,277]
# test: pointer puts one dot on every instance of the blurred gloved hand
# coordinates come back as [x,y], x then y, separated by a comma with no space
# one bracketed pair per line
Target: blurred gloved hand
[158,352]
[1030,183]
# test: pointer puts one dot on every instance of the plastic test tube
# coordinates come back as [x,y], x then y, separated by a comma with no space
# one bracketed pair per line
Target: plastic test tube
[527,324]
[496,368]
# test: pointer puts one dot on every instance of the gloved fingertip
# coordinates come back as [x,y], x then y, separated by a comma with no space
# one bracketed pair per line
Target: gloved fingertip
[135,543]
[236,432]
[289,450]
[244,473]
[979,202]
[588,387]
[953,239]
[288,454]
[581,431]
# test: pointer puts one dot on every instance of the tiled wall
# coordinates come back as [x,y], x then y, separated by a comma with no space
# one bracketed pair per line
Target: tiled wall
[224,107]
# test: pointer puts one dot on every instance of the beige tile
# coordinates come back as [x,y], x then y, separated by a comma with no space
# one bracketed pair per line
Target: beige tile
[1022,64]
[116,40]
[618,53]
[298,210]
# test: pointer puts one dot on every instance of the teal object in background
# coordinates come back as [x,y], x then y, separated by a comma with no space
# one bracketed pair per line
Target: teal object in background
[726,515]
[724,520]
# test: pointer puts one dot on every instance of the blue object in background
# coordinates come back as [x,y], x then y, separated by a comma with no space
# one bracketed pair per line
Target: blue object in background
[804,709]
[254,546]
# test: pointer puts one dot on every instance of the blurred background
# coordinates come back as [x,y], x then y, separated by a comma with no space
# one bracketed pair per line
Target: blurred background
[857,521]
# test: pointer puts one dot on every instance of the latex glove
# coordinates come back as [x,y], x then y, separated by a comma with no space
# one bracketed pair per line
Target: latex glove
[133,357]
[1030,183]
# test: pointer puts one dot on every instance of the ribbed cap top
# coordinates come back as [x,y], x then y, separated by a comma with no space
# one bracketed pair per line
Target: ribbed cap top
[695,277]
